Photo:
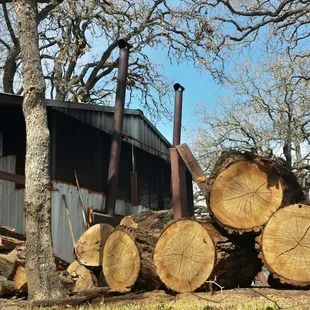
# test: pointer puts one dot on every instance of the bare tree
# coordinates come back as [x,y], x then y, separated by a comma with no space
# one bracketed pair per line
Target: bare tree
[78,47]
[42,279]
[265,112]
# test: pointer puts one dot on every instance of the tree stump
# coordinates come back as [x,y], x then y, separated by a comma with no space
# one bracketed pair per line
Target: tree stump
[151,221]
[244,190]
[83,277]
[89,248]
[127,260]
[184,255]
[286,245]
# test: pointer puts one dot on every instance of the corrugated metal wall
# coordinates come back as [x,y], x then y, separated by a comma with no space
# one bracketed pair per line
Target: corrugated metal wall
[11,199]
[12,203]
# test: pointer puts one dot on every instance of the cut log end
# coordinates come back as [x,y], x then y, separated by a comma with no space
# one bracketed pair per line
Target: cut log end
[286,245]
[121,261]
[245,195]
[184,255]
[89,248]
[20,279]
[84,278]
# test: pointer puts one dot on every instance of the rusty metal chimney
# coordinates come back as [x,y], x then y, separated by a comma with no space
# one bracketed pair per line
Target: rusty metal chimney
[118,124]
[178,177]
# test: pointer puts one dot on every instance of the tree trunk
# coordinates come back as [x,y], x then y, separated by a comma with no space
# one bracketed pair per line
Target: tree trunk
[152,221]
[43,281]
[127,260]
[84,278]
[244,190]
[184,255]
[285,246]
[89,248]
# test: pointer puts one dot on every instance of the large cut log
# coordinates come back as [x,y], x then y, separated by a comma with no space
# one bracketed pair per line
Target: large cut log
[285,246]
[127,260]
[188,253]
[244,190]
[151,221]
[89,248]
[83,277]
[184,255]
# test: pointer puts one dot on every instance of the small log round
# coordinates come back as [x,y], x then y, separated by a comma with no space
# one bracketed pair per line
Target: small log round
[151,221]
[83,277]
[244,190]
[89,247]
[6,287]
[127,260]
[286,245]
[184,255]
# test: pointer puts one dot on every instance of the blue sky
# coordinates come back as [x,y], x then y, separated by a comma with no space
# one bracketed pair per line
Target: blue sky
[199,87]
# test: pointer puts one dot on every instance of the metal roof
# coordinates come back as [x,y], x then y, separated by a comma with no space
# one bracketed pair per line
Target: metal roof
[135,124]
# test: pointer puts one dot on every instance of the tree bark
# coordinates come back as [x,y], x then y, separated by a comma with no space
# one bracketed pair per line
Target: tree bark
[244,190]
[152,221]
[6,287]
[43,282]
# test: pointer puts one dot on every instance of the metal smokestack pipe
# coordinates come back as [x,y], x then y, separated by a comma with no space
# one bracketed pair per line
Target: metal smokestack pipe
[178,178]
[118,125]
[178,99]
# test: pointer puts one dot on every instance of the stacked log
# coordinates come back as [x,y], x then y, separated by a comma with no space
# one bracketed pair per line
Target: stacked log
[245,190]
[285,247]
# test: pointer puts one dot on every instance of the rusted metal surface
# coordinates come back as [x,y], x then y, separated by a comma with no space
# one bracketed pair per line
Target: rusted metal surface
[117,128]
[179,201]
[12,177]
[178,177]
[193,166]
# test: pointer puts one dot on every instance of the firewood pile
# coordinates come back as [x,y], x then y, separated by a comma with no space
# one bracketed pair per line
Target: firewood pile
[258,219]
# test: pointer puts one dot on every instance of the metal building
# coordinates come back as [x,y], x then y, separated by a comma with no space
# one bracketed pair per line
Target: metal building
[80,141]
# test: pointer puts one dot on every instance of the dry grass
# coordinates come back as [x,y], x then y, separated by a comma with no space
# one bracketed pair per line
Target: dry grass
[242,299]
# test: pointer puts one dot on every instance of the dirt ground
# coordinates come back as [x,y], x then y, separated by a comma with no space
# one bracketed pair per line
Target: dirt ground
[238,299]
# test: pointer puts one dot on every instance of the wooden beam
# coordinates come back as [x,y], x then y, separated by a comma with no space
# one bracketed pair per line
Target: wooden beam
[191,163]
[12,177]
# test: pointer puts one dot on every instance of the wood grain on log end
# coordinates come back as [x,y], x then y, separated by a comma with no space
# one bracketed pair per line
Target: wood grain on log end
[84,278]
[184,255]
[121,261]
[286,245]
[245,195]
[89,248]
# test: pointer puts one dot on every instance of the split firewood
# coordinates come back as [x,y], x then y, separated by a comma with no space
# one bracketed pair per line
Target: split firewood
[89,248]
[83,277]
[244,190]
[285,246]
[127,260]
[20,279]
[8,264]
